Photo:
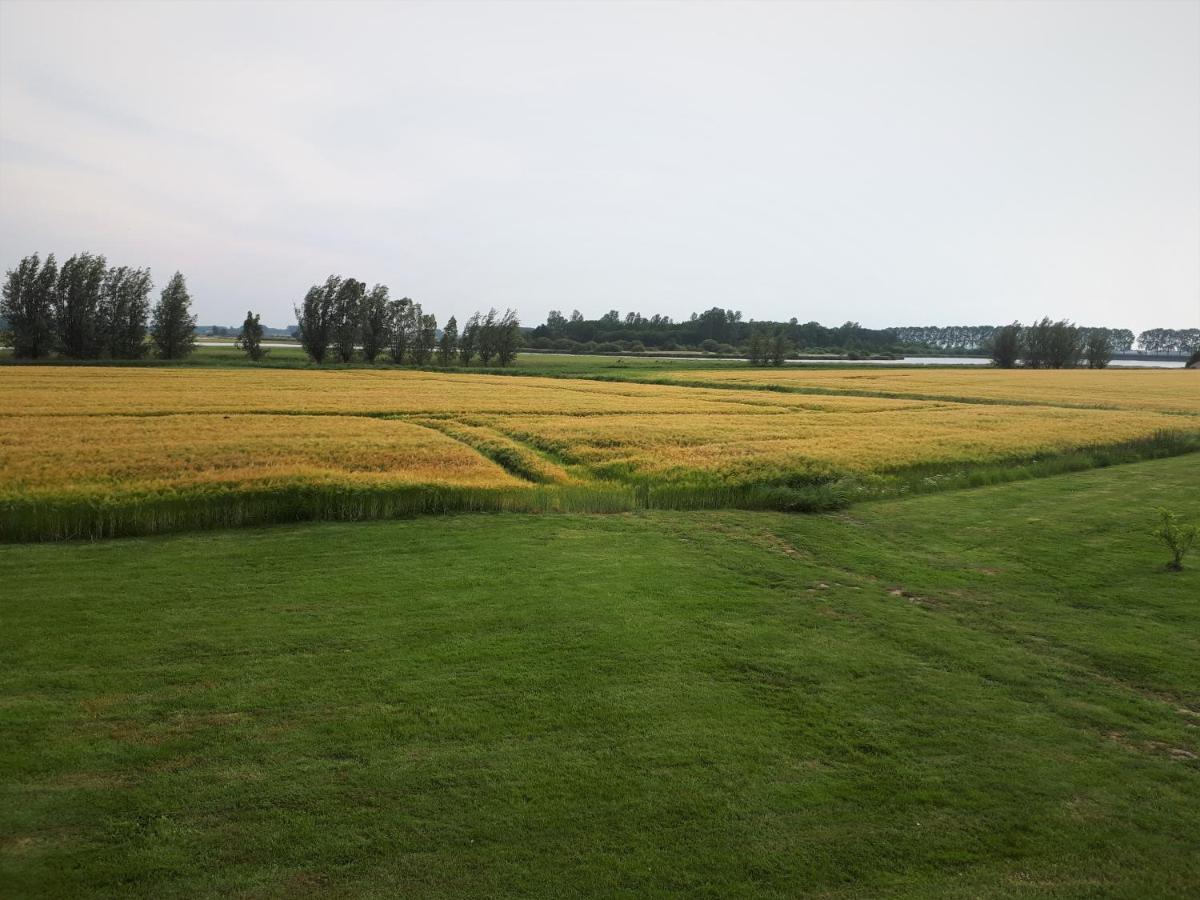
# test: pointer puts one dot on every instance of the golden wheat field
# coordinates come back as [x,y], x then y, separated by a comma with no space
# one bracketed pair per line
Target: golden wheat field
[750,448]
[98,390]
[126,435]
[1164,390]
[99,455]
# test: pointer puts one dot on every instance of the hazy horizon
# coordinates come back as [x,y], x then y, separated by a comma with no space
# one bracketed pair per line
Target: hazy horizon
[890,163]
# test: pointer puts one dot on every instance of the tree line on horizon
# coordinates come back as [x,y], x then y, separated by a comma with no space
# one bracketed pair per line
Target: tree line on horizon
[1050,345]
[341,318]
[86,309]
[725,331]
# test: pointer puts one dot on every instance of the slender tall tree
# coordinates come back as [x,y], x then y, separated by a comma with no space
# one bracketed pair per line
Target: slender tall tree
[347,308]
[508,337]
[468,341]
[402,328]
[486,340]
[448,344]
[315,315]
[374,322]
[27,304]
[250,338]
[124,308]
[425,337]
[77,298]
[173,329]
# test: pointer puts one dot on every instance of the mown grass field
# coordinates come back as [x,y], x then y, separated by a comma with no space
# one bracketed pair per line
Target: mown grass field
[105,451]
[986,693]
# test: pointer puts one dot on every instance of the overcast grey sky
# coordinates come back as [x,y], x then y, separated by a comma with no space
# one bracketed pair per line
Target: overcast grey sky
[893,163]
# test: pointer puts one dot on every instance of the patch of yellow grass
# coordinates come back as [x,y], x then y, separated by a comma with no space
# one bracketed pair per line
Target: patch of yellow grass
[75,431]
[755,447]
[1163,390]
[112,455]
[77,390]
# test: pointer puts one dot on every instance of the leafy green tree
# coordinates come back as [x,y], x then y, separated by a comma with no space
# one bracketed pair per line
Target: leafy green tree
[403,323]
[27,304]
[1035,344]
[77,299]
[487,337]
[778,349]
[508,337]
[315,315]
[1098,349]
[756,347]
[426,337]
[250,338]
[347,309]
[1005,346]
[1169,340]
[1064,346]
[468,342]
[124,309]
[173,329]
[1178,538]
[373,319]
[448,344]
[556,324]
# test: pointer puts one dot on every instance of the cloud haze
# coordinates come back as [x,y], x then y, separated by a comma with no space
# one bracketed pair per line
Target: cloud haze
[892,163]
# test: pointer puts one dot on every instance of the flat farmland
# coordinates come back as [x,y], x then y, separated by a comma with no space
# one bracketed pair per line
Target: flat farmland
[1165,390]
[90,451]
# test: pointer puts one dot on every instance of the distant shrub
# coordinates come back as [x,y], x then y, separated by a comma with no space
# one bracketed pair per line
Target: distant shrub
[709,345]
[1179,538]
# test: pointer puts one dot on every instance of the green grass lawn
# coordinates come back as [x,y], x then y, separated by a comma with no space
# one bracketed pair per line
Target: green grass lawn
[987,693]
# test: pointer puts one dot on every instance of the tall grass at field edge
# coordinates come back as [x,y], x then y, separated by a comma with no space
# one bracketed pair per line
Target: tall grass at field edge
[41,519]
[54,519]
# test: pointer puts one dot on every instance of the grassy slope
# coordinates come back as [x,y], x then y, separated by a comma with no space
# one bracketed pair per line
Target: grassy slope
[726,704]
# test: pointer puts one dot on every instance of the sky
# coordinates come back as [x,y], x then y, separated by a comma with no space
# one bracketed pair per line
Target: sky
[889,163]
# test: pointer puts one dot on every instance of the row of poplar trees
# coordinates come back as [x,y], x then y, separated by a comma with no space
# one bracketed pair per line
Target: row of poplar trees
[1051,345]
[86,309]
[341,317]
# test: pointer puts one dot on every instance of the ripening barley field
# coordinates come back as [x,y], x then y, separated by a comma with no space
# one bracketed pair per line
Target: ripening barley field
[1165,390]
[96,451]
